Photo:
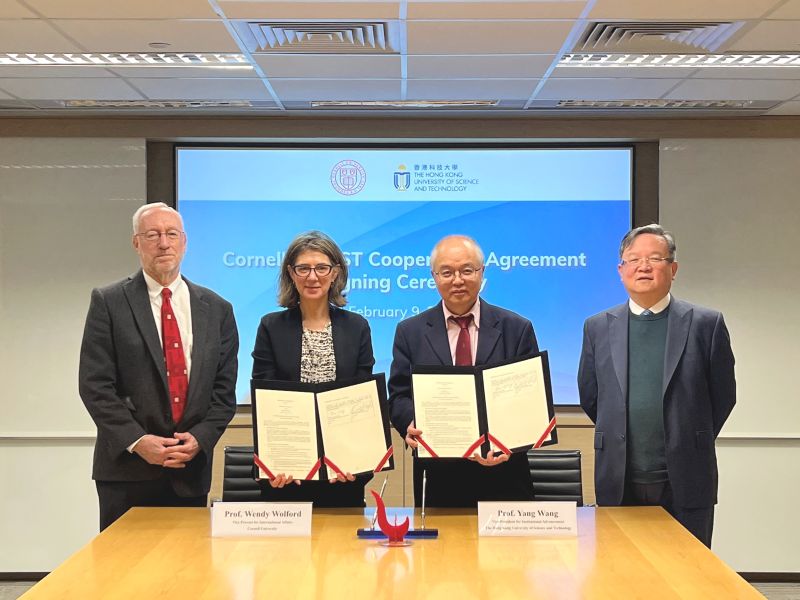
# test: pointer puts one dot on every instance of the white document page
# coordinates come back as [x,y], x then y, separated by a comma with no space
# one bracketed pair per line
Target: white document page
[352,427]
[446,410]
[287,432]
[516,402]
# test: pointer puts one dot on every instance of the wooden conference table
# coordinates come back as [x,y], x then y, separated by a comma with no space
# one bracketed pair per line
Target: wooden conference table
[620,553]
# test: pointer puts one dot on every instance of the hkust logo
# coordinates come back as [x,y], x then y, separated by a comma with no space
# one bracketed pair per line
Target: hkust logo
[348,177]
[402,179]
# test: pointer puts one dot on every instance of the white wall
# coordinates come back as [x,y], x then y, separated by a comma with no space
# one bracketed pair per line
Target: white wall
[733,207]
[65,209]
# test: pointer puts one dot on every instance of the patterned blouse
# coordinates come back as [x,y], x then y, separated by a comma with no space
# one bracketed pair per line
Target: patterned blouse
[317,360]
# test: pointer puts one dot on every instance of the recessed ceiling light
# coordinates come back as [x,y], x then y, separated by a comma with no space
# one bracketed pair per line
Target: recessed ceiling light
[159,45]
[401,103]
[219,60]
[679,60]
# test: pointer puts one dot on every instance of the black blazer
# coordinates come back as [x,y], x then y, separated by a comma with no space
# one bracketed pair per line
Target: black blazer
[699,393]
[280,337]
[277,356]
[122,381]
[422,340]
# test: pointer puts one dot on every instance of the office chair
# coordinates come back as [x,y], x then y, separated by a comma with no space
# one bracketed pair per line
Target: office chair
[556,475]
[238,484]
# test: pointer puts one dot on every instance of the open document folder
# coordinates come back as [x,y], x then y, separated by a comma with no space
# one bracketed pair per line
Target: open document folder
[314,431]
[463,410]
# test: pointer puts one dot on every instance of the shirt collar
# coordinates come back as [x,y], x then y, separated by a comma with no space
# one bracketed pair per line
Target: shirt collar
[154,288]
[475,311]
[655,309]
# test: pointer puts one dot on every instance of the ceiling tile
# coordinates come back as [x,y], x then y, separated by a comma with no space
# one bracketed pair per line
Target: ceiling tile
[134,35]
[787,10]
[11,9]
[787,108]
[487,37]
[202,89]
[310,10]
[792,73]
[621,72]
[684,10]
[32,36]
[3,95]
[479,9]
[138,9]
[471,89]
[531,66]
[724,89]
[48,72]
[69,89]
[184,72]
[342,89]
[769,36]
[345,66]
[605,89]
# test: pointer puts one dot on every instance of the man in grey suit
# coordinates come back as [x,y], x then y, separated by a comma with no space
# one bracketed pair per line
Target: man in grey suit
[432,338]
[156,430]
[656,376]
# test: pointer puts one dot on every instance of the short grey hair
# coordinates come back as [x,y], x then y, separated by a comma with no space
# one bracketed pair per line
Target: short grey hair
[654,229]
[465,238]
[315,241]
[137,216]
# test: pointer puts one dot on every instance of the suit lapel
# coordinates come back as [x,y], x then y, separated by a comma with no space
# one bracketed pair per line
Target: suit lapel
[436,334]
[294,348]
[139,301]
[618,339]
[340,339]
[678,321]
[199,309]
[488,334]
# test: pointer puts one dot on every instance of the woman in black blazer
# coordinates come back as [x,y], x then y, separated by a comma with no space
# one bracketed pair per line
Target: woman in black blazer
[313,340]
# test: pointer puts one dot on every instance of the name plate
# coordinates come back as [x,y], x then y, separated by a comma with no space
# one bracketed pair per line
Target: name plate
[527,519]
[277,519]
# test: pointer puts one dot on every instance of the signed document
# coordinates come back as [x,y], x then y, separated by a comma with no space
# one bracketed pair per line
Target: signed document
[446,410]
[286,432]
[463,410]
[314,431]
[516,402]
[351,422]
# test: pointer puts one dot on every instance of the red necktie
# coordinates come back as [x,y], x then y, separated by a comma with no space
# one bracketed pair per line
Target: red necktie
[177,376]
[463,343]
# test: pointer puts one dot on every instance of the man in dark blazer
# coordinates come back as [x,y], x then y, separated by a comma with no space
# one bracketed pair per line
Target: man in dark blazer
[149,453]
[656,376]
[431,339]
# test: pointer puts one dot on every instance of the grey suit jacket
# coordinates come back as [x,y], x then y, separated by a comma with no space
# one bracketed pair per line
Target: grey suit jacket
[699,394]
[123,382]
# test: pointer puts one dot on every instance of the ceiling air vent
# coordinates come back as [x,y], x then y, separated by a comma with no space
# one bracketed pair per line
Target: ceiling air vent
[332,37]
[166,104]
[656,36]
[655,104]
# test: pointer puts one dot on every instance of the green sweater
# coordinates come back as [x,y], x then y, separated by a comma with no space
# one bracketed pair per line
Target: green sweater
[647,340]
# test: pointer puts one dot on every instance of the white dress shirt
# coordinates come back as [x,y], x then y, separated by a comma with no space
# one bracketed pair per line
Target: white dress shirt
[453,329]
[655,309]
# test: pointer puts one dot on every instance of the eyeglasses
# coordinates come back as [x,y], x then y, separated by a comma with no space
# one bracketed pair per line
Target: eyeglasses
[650,260]
[153,236]
[321,270]
[467,272]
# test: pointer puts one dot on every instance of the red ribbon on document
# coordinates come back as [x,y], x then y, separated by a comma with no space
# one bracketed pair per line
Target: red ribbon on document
[499,444]
[385,458]
[263,467]
[474,446]
[546,433]
[318,464]
[425,445]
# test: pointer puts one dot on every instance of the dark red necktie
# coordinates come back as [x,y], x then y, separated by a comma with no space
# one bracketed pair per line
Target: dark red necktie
[463,343]
[177,376]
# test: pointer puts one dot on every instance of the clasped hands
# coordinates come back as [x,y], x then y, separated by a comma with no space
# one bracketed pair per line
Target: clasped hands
[172,453]
[490,461]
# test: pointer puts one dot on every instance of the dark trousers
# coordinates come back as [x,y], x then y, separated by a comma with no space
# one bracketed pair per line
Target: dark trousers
[458,482]
[699,521]
[116,497]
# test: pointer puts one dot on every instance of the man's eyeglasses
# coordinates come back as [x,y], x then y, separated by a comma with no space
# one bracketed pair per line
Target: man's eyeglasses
[465,272]
[650,260]
[153,236]
[305,270]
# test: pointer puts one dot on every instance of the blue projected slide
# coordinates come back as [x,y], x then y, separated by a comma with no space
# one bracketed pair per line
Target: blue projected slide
[549,222]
